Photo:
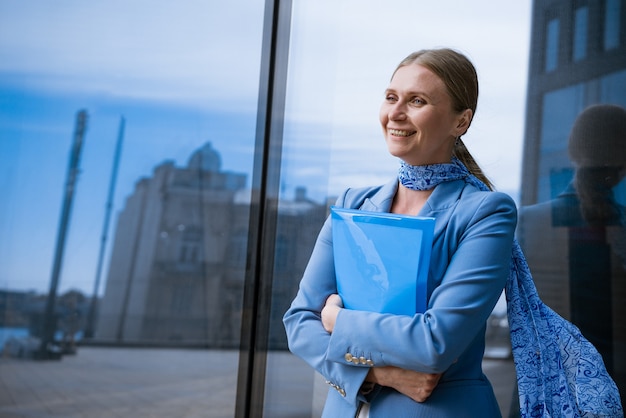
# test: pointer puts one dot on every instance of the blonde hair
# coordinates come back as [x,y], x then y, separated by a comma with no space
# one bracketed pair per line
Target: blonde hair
[459,76]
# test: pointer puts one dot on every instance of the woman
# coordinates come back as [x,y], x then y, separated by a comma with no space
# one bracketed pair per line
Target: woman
[427,365]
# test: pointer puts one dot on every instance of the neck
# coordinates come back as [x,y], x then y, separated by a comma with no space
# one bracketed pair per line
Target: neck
[409,202]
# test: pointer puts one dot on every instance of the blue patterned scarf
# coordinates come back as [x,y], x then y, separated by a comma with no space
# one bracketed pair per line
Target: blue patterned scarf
[559,372]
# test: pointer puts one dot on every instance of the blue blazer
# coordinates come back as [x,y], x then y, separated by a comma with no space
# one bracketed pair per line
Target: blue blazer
[468,270]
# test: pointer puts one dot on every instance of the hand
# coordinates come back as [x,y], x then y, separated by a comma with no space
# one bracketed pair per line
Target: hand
[330,311]
[417,386]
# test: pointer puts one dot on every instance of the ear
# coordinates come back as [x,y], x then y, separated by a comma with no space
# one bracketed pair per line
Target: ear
[463,122]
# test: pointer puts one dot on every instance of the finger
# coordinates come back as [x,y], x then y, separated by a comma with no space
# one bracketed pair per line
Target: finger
[335,299]
[423,395]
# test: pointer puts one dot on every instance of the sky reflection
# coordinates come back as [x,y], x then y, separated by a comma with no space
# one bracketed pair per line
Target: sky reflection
[186,73]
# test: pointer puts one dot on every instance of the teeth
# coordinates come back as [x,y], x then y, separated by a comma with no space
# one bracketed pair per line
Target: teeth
[397,132]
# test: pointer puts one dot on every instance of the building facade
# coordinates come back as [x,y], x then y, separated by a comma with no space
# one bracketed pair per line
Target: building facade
[172,252]
[577,59]
[572,220]
[177,268]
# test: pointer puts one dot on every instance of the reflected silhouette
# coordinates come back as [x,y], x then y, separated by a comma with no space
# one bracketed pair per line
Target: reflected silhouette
[575,244]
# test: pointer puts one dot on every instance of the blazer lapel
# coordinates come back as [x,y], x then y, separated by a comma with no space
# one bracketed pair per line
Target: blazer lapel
[382,199]
[443,197]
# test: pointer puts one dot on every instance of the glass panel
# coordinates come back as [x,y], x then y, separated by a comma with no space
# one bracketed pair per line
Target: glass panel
[339,68]
[612,15]
[552,45]
[554,129]
[573,235]
[581,18]
[555,167]
[573,241]
[613,88]
[169,92]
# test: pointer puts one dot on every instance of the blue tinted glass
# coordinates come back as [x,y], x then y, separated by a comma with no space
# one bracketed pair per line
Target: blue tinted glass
[580,33]
[168,85]
[341,58]
[613,88]
[612,24]
[552,45]
[560,109]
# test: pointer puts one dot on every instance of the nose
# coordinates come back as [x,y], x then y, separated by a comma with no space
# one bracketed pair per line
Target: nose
[397,111]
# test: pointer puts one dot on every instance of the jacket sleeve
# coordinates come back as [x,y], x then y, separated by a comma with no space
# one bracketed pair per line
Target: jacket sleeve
[306,335]
[472,283]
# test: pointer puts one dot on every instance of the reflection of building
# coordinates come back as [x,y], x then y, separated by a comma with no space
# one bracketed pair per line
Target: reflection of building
[298,224]
[14,308]
[177,244]
[578,59]
[22,313]
[179,256]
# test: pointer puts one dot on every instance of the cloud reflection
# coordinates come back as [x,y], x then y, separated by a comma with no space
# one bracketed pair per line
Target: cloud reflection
[183,73]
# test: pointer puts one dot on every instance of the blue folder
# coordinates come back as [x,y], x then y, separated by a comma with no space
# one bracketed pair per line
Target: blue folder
[382,260]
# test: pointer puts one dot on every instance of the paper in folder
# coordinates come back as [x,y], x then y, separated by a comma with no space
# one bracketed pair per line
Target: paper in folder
[381,260]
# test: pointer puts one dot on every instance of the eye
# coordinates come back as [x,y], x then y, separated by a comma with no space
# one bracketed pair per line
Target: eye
[417,101]
[390,98]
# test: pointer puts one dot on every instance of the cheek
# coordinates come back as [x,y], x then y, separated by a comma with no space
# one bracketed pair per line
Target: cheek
[382,116]
[430,122]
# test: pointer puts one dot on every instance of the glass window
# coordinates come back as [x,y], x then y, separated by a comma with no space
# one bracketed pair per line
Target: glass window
[560,109]
[551,52]
[612,18]
[339,68]
[613,88]
[555,125]
[128,145]
[581,23]
[169,93]
[572,236]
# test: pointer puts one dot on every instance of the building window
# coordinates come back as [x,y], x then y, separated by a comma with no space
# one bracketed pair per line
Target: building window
[181,301]
[581,19]
[612,88]
[560,108]
[612,13]
[552,45]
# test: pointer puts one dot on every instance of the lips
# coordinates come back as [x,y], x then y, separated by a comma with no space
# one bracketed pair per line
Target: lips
[400,132]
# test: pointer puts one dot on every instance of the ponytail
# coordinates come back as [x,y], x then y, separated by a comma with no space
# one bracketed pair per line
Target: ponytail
[462,153]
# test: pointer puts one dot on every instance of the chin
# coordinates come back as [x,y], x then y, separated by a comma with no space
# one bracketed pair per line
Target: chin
[394,152]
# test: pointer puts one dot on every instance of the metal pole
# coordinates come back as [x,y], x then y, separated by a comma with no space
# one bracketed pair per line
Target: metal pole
[91,318]
[49,319]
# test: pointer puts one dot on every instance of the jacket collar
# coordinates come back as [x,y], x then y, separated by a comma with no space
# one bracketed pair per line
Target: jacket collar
[443,197]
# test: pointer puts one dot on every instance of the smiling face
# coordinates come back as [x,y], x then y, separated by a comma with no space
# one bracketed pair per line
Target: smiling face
[417,117]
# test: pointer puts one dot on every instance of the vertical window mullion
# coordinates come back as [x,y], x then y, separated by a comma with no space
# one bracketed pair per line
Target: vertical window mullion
[264,198]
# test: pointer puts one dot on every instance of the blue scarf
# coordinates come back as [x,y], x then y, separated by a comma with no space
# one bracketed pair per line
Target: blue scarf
[559,372]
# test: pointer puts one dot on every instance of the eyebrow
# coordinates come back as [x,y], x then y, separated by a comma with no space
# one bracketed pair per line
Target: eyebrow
[410,93]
